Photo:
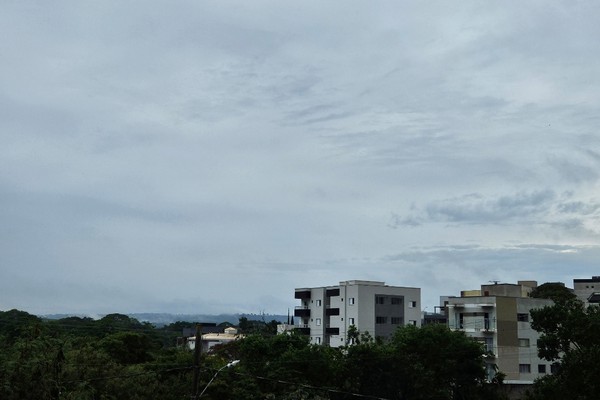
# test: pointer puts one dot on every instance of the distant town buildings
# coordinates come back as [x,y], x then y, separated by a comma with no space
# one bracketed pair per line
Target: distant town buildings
[213,338]
[327,313]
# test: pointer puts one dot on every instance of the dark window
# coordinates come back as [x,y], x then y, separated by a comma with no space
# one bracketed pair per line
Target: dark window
[396,320]
[525,368]
[381,320]
[542,368]
[523,317]
[380,300]
[396,300]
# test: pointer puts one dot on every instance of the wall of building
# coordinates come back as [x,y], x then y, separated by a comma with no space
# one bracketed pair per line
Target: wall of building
[334,309]
[584,288]
[503,325]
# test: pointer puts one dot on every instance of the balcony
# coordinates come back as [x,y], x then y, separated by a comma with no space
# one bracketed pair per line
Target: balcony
[485,325]
[332,292]
[302,294]
[332,331]
[303,329]
[332,311]
[302,311]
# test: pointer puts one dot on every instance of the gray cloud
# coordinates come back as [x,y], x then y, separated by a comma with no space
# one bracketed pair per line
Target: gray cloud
[477,209]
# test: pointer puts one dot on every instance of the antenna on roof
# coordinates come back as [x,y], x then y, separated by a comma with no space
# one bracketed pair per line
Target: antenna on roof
[494,282]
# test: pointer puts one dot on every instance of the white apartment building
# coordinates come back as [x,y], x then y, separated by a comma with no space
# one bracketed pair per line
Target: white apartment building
[498,316]
[326,313]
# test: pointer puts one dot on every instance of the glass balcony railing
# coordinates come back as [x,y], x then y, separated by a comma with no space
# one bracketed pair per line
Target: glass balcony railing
[483,324]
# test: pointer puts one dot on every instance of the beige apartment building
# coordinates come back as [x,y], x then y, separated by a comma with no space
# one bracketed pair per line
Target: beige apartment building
[498,315]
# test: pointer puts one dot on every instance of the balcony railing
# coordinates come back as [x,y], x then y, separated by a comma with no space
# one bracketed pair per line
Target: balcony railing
[485,325]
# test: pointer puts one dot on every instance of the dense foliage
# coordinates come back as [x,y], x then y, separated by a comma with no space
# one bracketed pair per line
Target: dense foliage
[118,357]
[569,337]
[554,291]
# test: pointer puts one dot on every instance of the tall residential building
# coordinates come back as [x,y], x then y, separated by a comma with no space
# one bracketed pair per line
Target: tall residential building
[326,313]
[499,317]
[587,290]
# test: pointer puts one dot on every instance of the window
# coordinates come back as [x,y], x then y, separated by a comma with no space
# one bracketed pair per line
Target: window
[541,368]
[351,301]
[554,368]
[411,322]
[396,320]
[318,322]
[396,300]
[351,321]
[525,368]
[489,344]
[523,317]
[318,340]
[318,303]
[412,304]
[380,300]
[523,342]
[380,320]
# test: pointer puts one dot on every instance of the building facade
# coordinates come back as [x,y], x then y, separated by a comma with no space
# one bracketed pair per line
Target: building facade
[587,290]
[327,313]
[499,317]
[209,340]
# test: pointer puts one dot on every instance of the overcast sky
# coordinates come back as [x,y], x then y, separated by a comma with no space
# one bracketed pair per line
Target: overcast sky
[211,156]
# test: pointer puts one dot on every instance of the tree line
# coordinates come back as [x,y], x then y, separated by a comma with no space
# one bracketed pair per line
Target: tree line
[118,357]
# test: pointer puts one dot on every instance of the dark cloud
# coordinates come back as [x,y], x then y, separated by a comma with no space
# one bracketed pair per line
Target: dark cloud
[477,209]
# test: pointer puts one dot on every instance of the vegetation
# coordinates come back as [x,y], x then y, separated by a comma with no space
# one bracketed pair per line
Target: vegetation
[569,338]
[118,357]
[554,291]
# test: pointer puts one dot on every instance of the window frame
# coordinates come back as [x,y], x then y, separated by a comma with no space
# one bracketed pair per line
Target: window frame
[524,368]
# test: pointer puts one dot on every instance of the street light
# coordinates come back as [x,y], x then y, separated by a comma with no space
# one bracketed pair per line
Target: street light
[229,365]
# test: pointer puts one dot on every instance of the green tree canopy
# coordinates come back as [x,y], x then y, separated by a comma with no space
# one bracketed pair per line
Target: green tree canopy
[555,291]
[569,337]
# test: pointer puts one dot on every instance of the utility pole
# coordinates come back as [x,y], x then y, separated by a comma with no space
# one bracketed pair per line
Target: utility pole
[197,349]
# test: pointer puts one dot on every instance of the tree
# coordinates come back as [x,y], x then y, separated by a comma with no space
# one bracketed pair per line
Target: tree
[15,324]
[555,291]
[436,362]
[569,337]
[128,347]
[430,362]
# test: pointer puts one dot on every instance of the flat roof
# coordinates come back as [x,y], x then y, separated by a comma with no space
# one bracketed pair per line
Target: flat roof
[584,280]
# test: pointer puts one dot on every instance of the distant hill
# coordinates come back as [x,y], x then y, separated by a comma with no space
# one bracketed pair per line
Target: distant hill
[161,319]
